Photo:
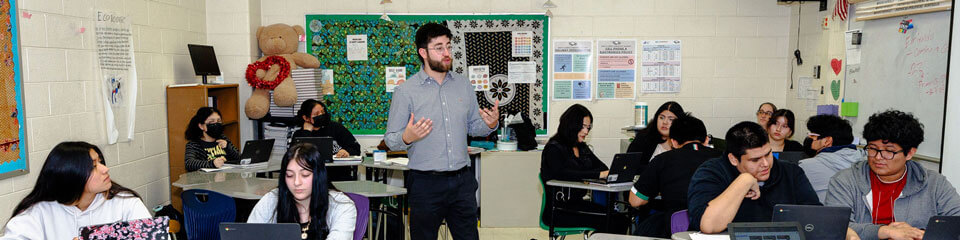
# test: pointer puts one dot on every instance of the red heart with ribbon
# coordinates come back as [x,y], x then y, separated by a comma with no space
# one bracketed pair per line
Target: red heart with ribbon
[836,64]
[265,65]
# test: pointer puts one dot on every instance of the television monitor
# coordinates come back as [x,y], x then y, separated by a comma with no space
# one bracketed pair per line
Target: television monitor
[204,60]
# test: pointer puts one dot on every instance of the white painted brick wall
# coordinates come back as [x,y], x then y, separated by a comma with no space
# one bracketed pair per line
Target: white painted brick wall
[62,96]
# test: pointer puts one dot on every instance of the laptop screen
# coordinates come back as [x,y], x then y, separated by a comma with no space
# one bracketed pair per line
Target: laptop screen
[767,233]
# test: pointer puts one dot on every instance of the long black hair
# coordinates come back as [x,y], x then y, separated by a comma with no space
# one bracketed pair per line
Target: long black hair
[653,135]
[64,175]
[193,131]
[307,156]
[571,122]
[306,109]
[774,118]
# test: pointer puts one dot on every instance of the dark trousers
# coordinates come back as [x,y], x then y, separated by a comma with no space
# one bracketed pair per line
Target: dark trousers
[437,197]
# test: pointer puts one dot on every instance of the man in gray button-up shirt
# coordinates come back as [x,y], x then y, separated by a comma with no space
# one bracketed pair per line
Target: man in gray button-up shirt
[431,115]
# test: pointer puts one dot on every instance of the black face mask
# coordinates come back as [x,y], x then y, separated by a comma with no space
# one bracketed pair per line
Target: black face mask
[808,147]
[215,130]
[321,121]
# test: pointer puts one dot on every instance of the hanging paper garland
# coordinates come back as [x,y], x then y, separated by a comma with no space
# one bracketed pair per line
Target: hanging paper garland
[265,64]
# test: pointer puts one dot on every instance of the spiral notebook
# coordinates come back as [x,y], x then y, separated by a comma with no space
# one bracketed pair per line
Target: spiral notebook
[148,229]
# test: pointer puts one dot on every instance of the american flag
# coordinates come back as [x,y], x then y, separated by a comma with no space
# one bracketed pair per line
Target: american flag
[840,10]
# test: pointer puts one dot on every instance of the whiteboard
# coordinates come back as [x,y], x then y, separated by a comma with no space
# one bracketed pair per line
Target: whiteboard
[903,71]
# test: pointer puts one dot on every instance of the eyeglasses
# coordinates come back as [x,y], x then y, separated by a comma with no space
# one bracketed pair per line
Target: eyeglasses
[441,48]
[780,126]
[813,136]
[667,119]
[873,152]
[588,127]
[764,113]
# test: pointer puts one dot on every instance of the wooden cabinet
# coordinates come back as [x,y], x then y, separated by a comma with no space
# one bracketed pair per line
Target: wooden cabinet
[182,104]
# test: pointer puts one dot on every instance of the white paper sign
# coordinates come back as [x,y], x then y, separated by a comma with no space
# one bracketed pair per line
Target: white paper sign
[326,82]
[118,75]
[479,77]
[394,77]
[522,72]
[356,47]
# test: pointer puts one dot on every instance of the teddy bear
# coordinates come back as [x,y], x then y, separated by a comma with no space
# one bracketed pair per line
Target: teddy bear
[278,42]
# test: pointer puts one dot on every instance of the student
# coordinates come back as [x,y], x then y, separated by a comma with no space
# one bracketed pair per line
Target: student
[831,142]
[668,175]
[304,196]
[73,190]
[207,147]
[891,196]
[314,121]
[780,130]
[567,157]
[764,112]
[744,185]
[652,141]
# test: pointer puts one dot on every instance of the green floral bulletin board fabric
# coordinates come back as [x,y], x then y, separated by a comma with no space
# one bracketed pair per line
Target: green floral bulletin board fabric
[361,102]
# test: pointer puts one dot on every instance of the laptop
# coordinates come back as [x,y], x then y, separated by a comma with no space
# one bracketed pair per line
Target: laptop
[765,231]
[257,231]
[790,156]
[323,144]
[257,151]
[818,222]
[152,228]
[624,169]
[943,227]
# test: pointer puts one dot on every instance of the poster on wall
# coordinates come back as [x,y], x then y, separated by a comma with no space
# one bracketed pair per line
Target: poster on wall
[616,68]
[660,66]
[13,150]
[572,67]
[118,75]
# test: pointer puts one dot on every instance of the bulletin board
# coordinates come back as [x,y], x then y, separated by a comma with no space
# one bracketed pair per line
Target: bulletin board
[13,151]
[361,102]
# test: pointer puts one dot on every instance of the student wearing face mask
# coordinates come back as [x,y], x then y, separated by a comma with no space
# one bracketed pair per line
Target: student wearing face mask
[207,147]
[314,121]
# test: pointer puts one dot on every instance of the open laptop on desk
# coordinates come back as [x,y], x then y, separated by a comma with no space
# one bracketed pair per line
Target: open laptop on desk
[624,168]
[790,156]
[765,231]
[943,227]
[257,151]
[323,144]
[818,222]
[257,231]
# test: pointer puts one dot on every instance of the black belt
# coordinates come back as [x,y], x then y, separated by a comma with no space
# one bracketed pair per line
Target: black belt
[442,173]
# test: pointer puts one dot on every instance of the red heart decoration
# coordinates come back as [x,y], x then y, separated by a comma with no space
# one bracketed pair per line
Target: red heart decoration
[836,64]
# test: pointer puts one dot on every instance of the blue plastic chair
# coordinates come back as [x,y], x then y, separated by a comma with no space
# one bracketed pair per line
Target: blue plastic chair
[363,213]
[204,210]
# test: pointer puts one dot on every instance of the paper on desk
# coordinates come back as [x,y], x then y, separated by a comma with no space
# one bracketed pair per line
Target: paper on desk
[704,236]
[399,160]
[216,169]
[350,158]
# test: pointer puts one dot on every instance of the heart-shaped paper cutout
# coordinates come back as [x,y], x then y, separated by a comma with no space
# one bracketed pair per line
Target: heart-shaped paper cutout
[836,64]
[835,89]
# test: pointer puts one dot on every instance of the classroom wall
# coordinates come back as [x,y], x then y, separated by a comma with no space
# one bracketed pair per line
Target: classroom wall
[815,43]
[734,51]
[60,87]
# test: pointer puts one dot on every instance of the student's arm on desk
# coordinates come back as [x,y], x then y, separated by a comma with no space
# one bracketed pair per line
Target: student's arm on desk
[721,210]
[648,183]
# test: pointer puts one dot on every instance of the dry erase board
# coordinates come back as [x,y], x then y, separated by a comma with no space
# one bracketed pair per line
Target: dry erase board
[901,70]
[361,101]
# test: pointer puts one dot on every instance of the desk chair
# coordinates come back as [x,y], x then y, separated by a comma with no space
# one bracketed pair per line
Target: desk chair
[560,232]
[679,222]
[363,212]
[204,210]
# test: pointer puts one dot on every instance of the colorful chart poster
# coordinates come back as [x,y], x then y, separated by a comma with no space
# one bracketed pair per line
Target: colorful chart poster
[522,43]
[479,77]
[572,68]
[660,66]
[616,68]
[394,77]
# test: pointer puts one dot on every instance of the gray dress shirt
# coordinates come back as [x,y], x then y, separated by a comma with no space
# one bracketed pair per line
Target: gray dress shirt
[455,113]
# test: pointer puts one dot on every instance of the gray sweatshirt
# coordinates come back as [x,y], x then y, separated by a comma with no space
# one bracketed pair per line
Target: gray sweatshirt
[926,194]
[821,168]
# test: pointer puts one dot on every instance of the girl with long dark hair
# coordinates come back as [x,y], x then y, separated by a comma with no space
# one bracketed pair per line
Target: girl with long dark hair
[652,141]
[314,120]
[567,157]
[304,196]
[780,130]
[207,147]
[72,190]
